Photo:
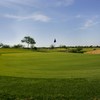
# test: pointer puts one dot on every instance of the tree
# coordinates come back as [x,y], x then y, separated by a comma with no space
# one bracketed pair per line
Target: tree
[52,46]
[6,46]
[30,41]
[18,46]
[1,45]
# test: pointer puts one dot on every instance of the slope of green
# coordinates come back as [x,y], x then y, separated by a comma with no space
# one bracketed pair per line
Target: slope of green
[49,65]
[28,75]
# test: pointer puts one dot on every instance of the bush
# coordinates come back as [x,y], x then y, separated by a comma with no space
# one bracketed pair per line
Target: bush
[5,46]
[76,50]
[35,48]
[1,45]
[52,47]
[18,46]
[63,46]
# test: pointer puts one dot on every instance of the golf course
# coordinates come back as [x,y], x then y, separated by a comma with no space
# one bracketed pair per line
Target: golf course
[32,75]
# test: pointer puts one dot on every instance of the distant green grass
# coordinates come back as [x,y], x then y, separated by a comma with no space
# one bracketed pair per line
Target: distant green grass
[49,65]
[29,75]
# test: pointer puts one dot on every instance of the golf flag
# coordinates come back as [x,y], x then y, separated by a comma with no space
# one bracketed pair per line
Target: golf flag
[54,40]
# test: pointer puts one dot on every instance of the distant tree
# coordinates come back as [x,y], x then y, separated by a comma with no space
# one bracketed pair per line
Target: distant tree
[18,46]
[76,50]
[52,46]
[6,46]
[91,46]
[30,41]
[1,45]
[62,46]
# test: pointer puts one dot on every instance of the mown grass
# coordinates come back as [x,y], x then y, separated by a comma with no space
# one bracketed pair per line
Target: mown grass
[49,65]
[12,88]
[28,75]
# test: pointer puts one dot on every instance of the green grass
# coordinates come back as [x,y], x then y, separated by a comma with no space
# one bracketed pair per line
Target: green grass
[29,75]
[49,65]
[12,88]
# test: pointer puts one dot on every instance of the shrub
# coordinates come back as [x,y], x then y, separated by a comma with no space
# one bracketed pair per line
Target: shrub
[52,47]
[76,50]
[18,46]
[35,48]
[5,46]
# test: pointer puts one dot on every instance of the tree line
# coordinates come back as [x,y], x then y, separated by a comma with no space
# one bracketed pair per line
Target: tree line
[27,39]
[31,44]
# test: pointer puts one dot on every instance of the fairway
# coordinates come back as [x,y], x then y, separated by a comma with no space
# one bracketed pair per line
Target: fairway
[49,65]
[48,75]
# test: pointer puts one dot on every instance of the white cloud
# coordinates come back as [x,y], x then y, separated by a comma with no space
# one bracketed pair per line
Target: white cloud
[64,2]
[40,17]
[35,3]
[34,17]
[90,23]
[8,3]
[78,16]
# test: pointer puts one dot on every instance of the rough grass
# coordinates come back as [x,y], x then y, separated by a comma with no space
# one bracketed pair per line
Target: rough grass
[28,75]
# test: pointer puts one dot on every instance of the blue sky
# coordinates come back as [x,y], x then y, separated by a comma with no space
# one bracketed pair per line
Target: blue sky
[71,22]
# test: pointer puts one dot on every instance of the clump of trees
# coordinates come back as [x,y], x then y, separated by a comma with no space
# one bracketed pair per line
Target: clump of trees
[4,45]
[27,39]
[18,46]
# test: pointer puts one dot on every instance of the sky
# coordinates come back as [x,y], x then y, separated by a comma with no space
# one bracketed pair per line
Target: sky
[71,22]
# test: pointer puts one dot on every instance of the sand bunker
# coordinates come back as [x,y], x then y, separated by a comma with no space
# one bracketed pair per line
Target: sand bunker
[93,52]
